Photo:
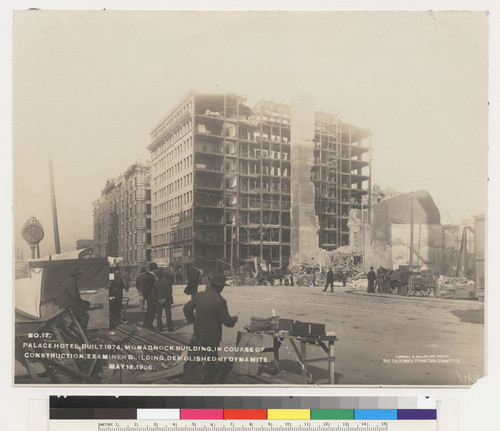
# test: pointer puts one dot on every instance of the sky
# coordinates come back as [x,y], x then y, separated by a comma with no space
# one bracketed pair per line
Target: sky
[89,86]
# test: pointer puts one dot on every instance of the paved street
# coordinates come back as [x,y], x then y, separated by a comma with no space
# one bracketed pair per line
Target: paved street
[382,339]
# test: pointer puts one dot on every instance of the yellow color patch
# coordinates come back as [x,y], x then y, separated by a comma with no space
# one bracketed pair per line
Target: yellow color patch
[284,414]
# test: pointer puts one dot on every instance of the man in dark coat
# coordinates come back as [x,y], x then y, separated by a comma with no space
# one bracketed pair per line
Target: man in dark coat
[371,276]
[147,292]
[69,298]
[405,279]
[115,298]
[127,278]
[208,311]
[193,276]
[162,295]
[138,284]
[396,281]
[178,276]
[329,280]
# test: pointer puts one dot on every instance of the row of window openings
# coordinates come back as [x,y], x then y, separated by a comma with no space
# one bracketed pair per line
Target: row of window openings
[185,181]
[173,171]
[177,151]
[229,130]
[273,117]
[173,220]
[173,137]
[188,107]
[230,148]
[331,238]
[210,237]
[167,252]
[133,256]
[132,240]
[244,168]
[129,225]
[276,186]
[246,202]
[268,217]
[138,209]
[177,202]
[178,235]
[269,253]
[122,200]
[331,145]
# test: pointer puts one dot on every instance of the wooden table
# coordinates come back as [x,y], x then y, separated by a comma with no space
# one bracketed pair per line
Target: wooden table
[299,344]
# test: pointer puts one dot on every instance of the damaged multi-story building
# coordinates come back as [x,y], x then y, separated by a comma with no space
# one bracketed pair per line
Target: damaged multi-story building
[274,182]
[401,230]
[122,218]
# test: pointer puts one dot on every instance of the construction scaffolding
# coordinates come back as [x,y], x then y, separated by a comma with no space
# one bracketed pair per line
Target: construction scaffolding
[236,202]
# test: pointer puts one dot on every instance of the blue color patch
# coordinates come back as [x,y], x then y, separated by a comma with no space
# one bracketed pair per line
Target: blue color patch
[369,414]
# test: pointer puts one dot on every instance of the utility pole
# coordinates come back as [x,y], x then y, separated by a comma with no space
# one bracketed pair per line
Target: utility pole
[54,209]
[232,245]
[411,231]
[363,235]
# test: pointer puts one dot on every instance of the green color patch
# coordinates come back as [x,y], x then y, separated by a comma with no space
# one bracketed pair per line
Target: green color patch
[332,413]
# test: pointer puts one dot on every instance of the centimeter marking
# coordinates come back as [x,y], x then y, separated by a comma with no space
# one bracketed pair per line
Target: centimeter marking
[257,425]
[288,426]
[260,425]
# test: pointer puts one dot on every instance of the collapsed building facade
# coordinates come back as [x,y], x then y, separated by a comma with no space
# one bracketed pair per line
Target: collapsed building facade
[232,183]
[122,218]
[384,235]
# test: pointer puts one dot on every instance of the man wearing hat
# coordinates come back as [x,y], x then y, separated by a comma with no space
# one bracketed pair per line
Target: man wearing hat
[115,298]
[193,276]
[371,276]
[69,298]
[147,280]
[208,311]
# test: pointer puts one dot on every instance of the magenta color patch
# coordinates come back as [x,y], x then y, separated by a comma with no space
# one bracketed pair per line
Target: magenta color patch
[202,414]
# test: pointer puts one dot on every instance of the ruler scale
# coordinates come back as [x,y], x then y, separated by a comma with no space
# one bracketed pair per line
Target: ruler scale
[262,414]
[91,425]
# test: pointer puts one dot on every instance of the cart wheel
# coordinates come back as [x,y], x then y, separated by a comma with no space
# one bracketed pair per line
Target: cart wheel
[304,280]
[250,281]
[320,280]
[409,288]
[233,280]
[426,292]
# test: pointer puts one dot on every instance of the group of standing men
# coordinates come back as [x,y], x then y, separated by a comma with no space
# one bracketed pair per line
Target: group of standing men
[155,287]
[207,310]
[388,280]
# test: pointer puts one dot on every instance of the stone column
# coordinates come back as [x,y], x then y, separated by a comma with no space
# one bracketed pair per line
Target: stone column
[304,226]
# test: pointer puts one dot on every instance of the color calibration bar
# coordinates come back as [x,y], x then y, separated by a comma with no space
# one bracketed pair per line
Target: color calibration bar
[243,413]
[87,406]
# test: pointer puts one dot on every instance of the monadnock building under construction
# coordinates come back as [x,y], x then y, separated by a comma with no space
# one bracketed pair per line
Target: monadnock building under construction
[231,183]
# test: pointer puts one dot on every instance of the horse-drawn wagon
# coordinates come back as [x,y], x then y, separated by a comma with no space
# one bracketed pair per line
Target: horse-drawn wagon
[422,283]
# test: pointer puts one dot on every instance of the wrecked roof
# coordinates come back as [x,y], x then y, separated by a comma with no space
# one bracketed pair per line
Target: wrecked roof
[399,208]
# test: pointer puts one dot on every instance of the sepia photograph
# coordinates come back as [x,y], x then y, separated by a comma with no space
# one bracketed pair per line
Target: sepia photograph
[250,198]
